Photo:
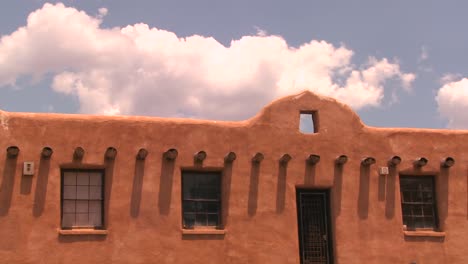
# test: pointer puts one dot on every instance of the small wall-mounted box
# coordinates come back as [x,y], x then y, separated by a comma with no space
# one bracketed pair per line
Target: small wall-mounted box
[28,168]
[383,171]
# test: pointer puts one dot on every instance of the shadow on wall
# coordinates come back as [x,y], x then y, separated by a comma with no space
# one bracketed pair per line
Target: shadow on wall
[363,198]
[281,189]
[137,187]
[165,185]
[203,237]
[6,188]
[390,192]
[381,188]
[425,239]
[41,186]
[26,185]
[337,189]
[72,239]
[226,192]
[309,174]
[109,175]
[442,198]
[253,189]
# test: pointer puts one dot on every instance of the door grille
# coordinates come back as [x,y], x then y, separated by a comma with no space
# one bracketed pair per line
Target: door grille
[313,218]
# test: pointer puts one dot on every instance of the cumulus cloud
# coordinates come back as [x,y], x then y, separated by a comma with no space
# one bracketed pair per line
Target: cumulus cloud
[141,70]
[452,101]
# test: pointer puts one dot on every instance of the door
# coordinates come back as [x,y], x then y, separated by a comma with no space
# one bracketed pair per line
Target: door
[313,219]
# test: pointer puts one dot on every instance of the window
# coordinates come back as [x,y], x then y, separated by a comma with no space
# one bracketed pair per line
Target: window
[201,199]
[308,122]
[82,199]
[418,202]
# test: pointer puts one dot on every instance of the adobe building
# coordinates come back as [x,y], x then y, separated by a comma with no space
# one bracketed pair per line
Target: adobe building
[105,189]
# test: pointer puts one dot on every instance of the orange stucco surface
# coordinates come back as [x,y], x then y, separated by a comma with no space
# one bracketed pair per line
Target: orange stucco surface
[143,215]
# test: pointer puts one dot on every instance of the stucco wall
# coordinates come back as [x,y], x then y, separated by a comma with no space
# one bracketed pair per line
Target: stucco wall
[143,198]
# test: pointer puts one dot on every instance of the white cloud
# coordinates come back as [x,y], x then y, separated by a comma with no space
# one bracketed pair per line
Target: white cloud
[452,101]
[102,12]
[149,71]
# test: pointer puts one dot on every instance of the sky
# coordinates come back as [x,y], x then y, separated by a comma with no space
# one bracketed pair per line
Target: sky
[396,63]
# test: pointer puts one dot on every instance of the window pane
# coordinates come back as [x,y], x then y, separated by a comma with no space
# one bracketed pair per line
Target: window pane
[69,192]
[427,210]
[95,219]
[81,206]
[189,206]
[427,197]
[69,206]
[95,192]
[69,178]
[95,206]
[82,192]
[407,211]
[82,178]
[209,186]
[189,187]
[68,220]
[82,219]
[212,207]
[200,220]
[212,219]
[95,178]
[189,220]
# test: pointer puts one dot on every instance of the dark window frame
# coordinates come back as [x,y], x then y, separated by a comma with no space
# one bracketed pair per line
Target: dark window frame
[202,201]
[102,200]
[313,115]
[419,205]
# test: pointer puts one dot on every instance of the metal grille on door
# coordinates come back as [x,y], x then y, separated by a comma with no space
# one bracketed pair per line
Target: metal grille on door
[313,227]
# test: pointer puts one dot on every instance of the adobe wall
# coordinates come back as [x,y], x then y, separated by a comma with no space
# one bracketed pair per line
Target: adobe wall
[143,207]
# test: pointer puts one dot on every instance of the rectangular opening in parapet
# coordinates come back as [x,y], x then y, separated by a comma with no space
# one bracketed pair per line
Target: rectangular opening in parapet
[308,122]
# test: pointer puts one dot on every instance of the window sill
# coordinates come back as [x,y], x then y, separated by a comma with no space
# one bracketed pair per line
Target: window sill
[74,232]
[203,231]
[424,233]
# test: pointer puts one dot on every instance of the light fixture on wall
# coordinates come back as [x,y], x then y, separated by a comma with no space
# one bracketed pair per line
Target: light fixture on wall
[12,152]
[420,162]
[230,157]
[342,159]
[447,162]
[142,153]
[46,153]
[171,154]
[257,158]
[394,161]
[367,161]
[313,159]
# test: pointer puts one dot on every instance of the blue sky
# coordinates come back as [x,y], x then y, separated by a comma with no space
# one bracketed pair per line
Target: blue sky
[397,63]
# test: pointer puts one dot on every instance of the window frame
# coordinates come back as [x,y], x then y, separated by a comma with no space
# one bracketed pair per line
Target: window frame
[102,201]
[313,114]
[435,225]
[220,223]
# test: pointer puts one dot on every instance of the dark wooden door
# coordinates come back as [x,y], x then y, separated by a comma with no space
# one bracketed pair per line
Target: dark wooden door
[313,217]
